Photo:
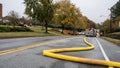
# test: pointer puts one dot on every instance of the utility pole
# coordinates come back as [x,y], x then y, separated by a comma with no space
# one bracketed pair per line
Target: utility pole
[111,20]
[112,16]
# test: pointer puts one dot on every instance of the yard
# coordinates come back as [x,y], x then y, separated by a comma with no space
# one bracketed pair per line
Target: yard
[37,32]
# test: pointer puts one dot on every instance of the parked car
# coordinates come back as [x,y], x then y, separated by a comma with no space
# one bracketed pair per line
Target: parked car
[71,33]
[82,33]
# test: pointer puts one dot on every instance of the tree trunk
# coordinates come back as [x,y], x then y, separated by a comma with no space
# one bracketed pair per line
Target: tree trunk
[43,26]
[46,27]
[74,28]
[62,29]
[73,31]
[13,26]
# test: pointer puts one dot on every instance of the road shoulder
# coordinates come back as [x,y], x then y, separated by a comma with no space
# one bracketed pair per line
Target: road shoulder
[115,41]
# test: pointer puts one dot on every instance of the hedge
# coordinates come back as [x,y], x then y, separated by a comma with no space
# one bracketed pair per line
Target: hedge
[16,29]
[115,36]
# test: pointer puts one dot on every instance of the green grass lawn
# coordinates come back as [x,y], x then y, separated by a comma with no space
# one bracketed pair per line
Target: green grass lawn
[38,32]
[116,41]
[116,33]
[22,34]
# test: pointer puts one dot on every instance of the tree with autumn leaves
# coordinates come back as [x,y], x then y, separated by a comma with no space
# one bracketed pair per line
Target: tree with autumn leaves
[41,10]
[63,13]
[67,14]
[115,17]
[112,24]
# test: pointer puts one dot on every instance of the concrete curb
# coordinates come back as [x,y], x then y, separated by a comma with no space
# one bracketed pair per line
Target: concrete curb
[53,53]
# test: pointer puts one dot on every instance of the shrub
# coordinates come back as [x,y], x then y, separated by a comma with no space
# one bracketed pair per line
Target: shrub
[117,29]
[16,29]
[4,29]
[115,36]
[20,29]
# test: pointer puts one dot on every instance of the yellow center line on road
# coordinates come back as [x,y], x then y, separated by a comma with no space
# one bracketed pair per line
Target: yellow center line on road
[53,53]
[33,46]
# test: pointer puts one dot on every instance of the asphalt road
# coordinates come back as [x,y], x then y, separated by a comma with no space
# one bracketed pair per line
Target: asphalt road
[33,58]
[18,42]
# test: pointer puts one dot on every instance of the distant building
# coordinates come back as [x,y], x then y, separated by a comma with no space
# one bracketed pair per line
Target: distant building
[0,11]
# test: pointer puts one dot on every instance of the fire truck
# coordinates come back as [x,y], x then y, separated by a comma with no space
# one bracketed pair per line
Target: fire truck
[91,32]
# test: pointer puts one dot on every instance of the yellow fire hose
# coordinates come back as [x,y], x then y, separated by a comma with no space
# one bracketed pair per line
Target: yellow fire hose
[53,53]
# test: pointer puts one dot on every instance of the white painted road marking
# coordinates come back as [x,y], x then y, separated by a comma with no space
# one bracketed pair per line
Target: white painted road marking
[103,52]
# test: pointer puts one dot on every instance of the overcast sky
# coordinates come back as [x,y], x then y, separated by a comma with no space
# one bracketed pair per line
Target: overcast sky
[96,10]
